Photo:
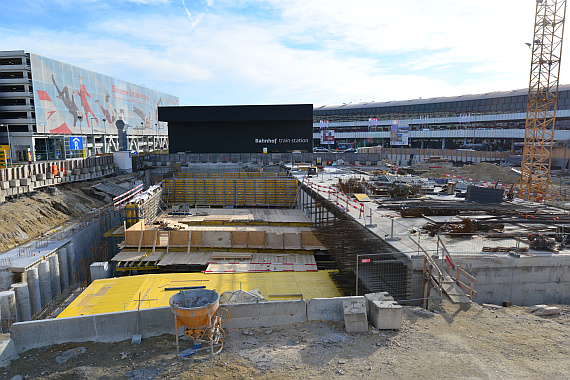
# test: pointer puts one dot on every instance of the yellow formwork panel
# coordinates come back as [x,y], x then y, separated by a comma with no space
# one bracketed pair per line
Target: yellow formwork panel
[120,294]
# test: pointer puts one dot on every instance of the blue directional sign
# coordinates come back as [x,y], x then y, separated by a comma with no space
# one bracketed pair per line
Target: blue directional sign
[75,143]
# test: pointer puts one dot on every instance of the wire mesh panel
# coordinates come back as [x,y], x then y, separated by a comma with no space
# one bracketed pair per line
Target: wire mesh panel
[383,272]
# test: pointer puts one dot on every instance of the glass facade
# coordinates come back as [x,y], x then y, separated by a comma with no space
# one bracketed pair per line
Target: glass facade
[440,108]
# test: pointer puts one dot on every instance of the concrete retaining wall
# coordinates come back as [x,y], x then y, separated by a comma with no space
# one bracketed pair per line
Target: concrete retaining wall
[120,326]
[523,281]
[266,314]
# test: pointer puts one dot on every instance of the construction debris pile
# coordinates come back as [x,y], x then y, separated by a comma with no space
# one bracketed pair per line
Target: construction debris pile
[467,226]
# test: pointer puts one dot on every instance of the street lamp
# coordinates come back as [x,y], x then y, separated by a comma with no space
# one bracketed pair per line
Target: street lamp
[9,144]
[80,117]
[105,137]
[93,136]
[142,128]
[155,138]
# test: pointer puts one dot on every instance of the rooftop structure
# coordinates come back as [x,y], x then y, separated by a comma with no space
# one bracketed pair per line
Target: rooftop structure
[492,121]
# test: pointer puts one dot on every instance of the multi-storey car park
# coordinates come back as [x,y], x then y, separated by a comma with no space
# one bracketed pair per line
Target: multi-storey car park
[53,110]
[494,121]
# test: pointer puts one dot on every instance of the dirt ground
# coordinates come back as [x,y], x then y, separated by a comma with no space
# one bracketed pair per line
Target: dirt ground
[28,216]
[469,342]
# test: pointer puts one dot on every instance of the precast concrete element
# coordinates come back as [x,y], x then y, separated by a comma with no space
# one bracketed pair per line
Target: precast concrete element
[380,296]
[63,268]
[7,352]
[54,275]
[328,309]
[34,289]
[6,279]
[265,314]
[71,262]
[8,307]
[355,319]
[45,282]
[386,315]
[22,301]
[100,270]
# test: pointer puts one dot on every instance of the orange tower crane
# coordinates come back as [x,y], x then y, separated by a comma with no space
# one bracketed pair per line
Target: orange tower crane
[542,99]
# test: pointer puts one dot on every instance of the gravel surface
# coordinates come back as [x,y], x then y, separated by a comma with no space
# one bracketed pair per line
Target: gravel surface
[456,342]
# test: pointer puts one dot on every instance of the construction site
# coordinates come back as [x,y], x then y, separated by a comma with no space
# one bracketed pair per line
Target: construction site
[402,263]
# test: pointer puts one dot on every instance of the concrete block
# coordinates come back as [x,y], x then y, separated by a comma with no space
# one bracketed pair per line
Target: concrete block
[386,315]
[49,181]
[91,169]
[40,183]
[100,270]
[97,168]
[76,172]
[356,163]
[544,310]
[328,309]
[33,178]
[7,352]
[14,183]
[4,185]
[380,296]
[84,170]
[49,175]
[355,319]
[41,177]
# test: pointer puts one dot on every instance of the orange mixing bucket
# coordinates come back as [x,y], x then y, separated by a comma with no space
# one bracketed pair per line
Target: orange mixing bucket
[194,308]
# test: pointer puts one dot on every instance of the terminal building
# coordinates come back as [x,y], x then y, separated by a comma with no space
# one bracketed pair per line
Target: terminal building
[53,110]
[493,121]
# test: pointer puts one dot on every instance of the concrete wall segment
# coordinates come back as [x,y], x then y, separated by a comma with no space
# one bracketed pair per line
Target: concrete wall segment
[328,309]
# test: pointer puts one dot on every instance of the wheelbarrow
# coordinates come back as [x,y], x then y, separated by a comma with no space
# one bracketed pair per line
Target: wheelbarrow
[198,311]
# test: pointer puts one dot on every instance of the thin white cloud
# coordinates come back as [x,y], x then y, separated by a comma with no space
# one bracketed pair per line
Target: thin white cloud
[316,51]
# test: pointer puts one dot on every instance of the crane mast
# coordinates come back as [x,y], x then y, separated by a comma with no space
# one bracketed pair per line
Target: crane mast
[542,99]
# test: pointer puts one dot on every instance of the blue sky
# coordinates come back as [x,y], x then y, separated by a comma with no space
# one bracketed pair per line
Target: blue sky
[215,52]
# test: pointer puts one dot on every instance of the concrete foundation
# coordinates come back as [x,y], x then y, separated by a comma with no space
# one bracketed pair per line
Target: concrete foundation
[355,319]
[22,301]
[34,289]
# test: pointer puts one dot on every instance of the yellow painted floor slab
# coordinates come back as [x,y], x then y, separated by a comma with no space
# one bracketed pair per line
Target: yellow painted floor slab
[122,293]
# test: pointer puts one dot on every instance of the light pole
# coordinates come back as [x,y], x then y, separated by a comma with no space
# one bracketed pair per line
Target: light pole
[142,128]
[155,137]
[93,153]
[105,137]
[80,117]
[9,144]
